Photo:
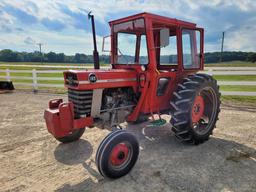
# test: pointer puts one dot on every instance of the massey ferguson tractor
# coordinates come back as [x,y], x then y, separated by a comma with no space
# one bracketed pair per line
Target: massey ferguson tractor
[154,71]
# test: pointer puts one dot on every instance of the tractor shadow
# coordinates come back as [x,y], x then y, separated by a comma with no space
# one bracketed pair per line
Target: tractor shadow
[167,165]
[73,153]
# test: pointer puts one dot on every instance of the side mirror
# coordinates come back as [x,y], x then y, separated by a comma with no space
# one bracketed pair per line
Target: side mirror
[106,44]
[164,37]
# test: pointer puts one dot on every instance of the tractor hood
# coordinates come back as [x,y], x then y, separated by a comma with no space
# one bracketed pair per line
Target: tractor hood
[100,78]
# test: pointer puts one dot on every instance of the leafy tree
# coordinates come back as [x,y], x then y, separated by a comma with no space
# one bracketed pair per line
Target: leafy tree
[51,57]
[251,57]
[9,55]
[60,58]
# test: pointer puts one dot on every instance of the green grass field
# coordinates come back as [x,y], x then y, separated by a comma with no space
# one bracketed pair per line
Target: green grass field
[247,99]
[243,88]
[235,77]
[239,100]
[30,68]
[53,64]
[231,64]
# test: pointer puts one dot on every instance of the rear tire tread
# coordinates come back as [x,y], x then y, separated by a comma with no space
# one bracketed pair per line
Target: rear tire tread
[182,101]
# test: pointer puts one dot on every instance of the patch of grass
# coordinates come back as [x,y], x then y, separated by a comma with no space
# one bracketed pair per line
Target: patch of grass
[232,64]
[242,88]
[235,77]
[54,64]
[50,75]
[51,82]
[60,75]
[239,99]
[38,81]
[37,68]
[38,75]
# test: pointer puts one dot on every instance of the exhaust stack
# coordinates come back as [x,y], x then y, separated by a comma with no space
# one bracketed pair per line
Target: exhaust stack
[95,51]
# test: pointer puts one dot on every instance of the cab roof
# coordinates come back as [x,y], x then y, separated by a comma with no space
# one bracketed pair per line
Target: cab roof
[154,18]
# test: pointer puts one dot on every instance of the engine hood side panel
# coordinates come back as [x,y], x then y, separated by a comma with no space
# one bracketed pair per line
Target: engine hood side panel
[108,78]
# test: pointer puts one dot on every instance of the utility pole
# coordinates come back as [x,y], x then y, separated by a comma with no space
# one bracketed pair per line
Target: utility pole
[40,49]
[222,44]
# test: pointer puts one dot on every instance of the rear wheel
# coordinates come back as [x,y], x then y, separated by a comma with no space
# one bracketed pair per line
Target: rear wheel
[117,154]
[195,108]
[73,136]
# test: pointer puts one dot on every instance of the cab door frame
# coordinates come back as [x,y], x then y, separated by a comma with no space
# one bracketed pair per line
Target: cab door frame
[194,47]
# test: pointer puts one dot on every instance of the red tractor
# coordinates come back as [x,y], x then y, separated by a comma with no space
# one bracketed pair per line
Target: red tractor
[154,65]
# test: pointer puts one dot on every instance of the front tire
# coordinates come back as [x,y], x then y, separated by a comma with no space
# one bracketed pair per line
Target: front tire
[73,136]
[117,154]
[195,108]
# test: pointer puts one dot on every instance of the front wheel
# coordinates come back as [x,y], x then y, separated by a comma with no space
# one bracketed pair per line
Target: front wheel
[73,136]
[117,154]
[195,108]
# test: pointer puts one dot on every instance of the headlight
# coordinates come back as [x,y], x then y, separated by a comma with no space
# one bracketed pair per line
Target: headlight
[71,79]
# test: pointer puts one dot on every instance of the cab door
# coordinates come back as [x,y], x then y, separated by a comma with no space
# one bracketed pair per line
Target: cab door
[192,49]
[167,66]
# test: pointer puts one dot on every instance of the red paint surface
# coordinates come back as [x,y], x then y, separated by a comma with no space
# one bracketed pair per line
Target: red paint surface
[60,121]
[197,109]
[119,154]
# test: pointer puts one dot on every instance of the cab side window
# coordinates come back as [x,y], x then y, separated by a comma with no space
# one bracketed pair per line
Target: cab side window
[191,49]
[168,54]
[143,50]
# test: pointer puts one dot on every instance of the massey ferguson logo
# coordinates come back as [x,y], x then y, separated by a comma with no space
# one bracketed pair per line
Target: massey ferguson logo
[92,78]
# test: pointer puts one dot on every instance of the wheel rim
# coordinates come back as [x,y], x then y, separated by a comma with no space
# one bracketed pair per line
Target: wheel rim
[204,110]
[120,156]
[198,109]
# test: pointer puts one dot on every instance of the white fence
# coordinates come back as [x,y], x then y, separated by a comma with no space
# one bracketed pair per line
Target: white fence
[34,78]
[212,71]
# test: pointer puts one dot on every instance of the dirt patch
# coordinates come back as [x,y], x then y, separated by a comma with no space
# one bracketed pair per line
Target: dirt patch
[239,155]
[32,160]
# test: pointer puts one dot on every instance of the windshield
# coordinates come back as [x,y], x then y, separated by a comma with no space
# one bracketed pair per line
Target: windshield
[131,44]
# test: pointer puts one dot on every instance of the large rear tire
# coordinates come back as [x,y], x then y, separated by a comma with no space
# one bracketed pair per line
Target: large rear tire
[195,108]
[73,136]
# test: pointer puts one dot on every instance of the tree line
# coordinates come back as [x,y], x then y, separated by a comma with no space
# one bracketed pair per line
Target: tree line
[8,55]
[214,57]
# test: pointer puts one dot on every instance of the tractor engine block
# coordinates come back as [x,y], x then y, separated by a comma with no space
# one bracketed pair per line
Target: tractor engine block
[117,104]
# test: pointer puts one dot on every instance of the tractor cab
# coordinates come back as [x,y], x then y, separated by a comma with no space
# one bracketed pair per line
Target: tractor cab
[154,42]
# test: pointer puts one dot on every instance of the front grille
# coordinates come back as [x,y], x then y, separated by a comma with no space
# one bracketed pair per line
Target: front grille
[82,101]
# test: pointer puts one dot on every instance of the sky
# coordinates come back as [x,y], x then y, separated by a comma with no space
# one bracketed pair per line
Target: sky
[62,26]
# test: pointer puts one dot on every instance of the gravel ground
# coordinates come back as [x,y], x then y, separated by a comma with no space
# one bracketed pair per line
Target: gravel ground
[32,160]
